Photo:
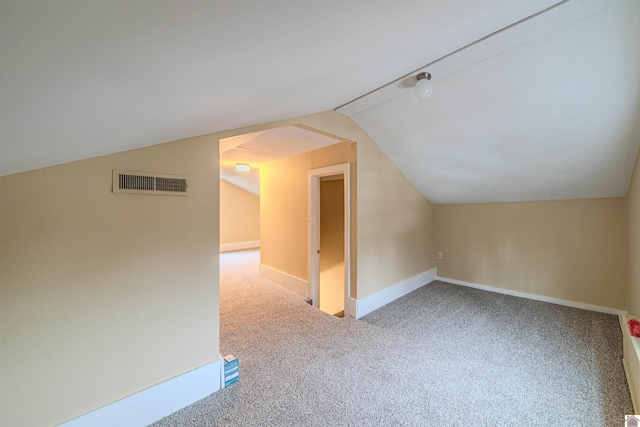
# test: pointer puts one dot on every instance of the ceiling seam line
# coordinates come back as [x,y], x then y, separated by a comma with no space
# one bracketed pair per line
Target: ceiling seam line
[457,50]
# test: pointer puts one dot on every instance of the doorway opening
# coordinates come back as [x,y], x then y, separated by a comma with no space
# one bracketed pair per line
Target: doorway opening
[329,239]
[279,160]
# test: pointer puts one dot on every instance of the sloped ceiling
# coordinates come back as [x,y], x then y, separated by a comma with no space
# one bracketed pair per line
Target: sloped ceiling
[82,78]
[258,148]
[557,117]
[553,116]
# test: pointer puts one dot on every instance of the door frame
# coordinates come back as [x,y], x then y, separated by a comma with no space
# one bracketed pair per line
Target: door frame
[313,221]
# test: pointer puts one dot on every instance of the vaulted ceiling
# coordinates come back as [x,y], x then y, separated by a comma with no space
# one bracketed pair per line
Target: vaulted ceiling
[546,109]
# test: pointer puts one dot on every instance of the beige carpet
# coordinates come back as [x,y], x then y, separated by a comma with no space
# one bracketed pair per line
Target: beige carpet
[443,355]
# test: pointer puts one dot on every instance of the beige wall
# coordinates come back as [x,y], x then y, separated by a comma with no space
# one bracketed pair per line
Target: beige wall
[393,221]
[284,203]
[396,238]
[633,223]
[572,250]
[239,214]
[95,286]
[331,222]
[103,295]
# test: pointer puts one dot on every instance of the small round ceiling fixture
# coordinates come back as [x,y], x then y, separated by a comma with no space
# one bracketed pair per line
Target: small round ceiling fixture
[424,87]
[242,167]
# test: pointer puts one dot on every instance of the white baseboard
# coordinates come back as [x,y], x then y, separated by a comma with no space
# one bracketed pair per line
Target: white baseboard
[238,246]
[352,307]
[634,399]
[152,404]
[295,284]
[631,361]
[366,305]
[535,297]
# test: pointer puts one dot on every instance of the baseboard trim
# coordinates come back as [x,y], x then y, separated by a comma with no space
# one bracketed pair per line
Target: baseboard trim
[366,305]
[631,360]
[294,284]
[535,297]
[634,400]
[352,307]
[238,246]
[156,402]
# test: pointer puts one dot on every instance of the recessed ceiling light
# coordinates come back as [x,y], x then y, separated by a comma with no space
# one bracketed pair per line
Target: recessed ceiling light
[242,167]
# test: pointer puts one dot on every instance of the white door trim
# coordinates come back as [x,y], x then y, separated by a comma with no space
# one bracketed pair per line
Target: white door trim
[314,230]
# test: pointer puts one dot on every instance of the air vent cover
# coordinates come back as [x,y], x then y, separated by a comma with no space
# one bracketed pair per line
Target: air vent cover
[150,183]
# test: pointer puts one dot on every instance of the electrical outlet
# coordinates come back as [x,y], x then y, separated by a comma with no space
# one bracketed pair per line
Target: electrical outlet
[439,255]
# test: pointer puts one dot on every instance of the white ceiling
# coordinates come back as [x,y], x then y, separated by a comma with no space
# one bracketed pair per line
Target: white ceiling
[81,78]
[262,147]
[550,115]
[555,118]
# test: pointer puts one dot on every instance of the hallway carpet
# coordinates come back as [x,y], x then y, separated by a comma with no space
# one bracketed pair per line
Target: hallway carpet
[444,355]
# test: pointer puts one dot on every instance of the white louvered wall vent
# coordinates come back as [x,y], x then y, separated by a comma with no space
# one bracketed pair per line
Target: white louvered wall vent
[150,183]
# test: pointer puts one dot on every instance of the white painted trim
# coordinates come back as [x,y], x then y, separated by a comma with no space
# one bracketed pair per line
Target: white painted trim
[381,298]
[295,284]
[574,304]
[634,353]
[621,318]
[634,400]
[238,246]
[313,221]
[353,304]
[155,403]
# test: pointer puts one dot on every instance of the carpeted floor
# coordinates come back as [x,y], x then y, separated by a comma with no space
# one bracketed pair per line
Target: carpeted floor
[444,355]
